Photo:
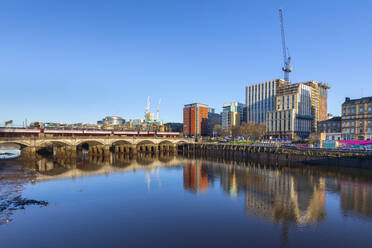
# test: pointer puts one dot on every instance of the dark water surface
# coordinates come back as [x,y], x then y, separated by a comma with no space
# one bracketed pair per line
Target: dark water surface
[170,201]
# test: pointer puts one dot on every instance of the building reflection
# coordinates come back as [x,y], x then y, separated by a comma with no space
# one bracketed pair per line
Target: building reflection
[285,196]
[195,177]
[280,196]
[356,198]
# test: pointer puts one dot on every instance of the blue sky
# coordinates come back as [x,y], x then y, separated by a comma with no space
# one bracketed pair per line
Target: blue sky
[78,61]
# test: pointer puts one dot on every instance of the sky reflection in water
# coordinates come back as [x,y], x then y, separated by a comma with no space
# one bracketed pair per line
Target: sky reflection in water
[171,201]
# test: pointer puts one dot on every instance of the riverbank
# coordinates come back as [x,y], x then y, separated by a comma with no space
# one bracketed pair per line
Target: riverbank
[283,155]
[13,177]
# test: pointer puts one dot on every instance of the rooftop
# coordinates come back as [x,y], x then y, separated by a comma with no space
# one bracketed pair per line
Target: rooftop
[363,99]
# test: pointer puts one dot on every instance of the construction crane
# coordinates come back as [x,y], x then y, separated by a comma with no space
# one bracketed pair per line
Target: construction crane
[287,59]
[157,110]
[148,105]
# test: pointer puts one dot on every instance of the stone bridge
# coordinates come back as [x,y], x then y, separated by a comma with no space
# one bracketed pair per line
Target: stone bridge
[97,144]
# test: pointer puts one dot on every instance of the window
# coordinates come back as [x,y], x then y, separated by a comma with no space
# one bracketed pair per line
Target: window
[361,123]
[361,109]
[352,130]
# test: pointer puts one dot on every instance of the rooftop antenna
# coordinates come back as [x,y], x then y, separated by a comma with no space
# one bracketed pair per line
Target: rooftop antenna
[286,58]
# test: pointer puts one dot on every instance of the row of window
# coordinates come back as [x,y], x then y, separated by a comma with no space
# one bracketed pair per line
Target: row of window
[353,130]
[330,124]
[279,115]
[354,117]
[361,109]
[352,123]
[288,103]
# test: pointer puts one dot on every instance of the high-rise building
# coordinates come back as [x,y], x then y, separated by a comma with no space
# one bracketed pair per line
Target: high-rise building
[260,99]
[357,119]
[195,119]
[232,114]
[298,109]
[213,120]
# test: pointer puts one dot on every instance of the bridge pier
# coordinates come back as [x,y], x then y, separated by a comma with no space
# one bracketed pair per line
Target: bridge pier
[106,150]
[133,149]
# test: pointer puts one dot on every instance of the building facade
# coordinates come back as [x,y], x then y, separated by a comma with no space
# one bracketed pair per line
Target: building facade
[330,129]
[173,127]
[213,120]
[357,119]
[260,98]
[195,119]
[232,114]
[298,108]
[332,125]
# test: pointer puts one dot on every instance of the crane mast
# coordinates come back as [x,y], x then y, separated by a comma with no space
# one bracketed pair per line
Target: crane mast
[148,105]
[157,110]
[286,58]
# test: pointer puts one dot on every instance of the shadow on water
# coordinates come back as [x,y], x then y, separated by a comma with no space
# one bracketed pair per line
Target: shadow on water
[294,195]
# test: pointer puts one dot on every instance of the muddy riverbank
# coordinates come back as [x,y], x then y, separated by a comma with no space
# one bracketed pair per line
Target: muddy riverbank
[13,177]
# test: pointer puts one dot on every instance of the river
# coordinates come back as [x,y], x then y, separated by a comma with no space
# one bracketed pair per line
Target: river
[171,201]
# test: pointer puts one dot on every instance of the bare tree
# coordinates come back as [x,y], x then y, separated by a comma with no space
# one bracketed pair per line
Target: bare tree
[252,130]
[235,131]
[296,139]
[218,130]
[313,138]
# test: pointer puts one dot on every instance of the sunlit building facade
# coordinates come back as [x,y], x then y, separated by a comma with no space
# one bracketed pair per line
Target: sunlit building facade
[357,119]
[195,119]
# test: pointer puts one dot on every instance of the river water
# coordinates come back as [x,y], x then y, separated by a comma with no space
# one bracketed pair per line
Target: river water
[171,201]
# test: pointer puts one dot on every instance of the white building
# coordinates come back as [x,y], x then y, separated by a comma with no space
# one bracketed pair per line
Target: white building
[260,99]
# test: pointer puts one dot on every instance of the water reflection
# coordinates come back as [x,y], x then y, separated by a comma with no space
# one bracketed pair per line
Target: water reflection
[356,198]
[278,194]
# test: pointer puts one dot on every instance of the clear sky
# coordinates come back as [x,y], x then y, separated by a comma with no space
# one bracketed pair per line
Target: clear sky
[78,61]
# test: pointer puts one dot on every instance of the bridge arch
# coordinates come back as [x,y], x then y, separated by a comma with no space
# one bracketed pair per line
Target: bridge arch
[90,142]
[18,145]
[121,142]
[53,143]
[145,142]
[166,142]
[146,146]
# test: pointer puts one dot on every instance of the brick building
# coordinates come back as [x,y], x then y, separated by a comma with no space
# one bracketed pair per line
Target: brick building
[195,119]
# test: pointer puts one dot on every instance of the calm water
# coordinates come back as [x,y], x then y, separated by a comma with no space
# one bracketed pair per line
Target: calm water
[175,202]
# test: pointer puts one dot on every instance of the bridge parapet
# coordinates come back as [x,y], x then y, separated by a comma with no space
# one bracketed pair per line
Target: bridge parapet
[107,141]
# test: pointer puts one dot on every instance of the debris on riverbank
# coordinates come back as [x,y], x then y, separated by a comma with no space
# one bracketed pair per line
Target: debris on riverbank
[13,177]
[19,203]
